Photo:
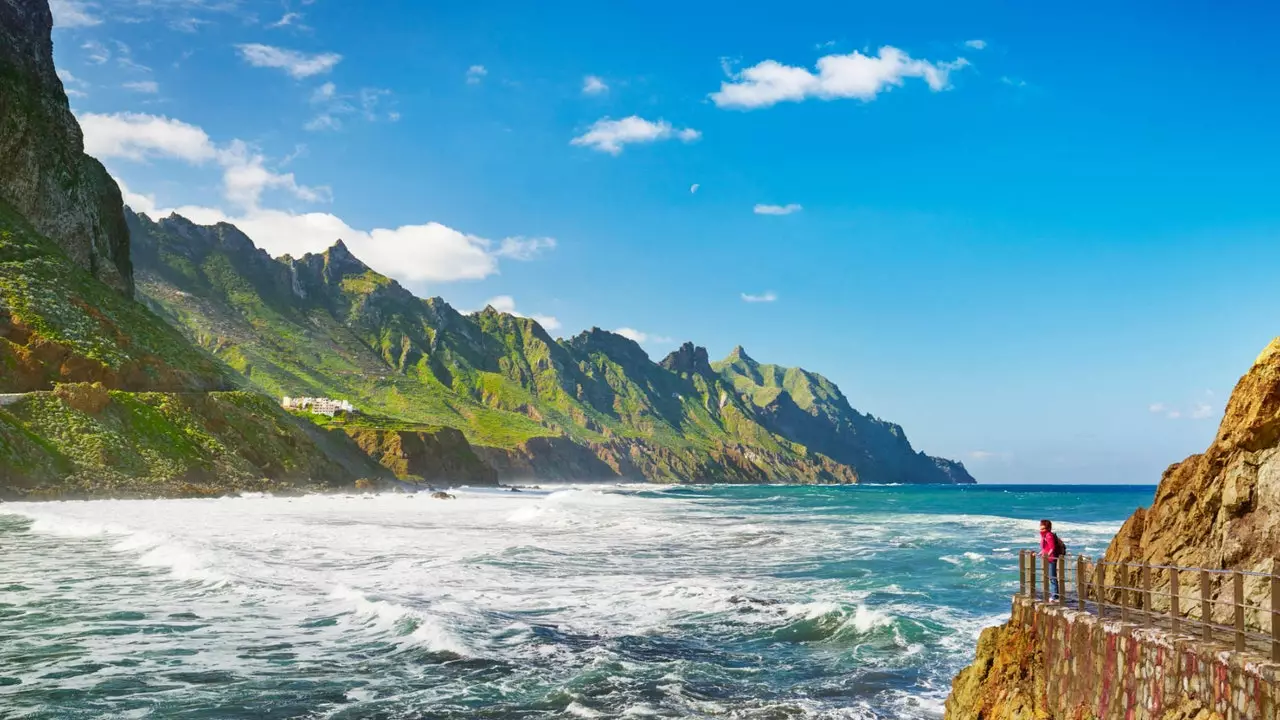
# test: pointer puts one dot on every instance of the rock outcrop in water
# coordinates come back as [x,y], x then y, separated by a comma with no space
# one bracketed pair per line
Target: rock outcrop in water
[1218,509]
[44,173]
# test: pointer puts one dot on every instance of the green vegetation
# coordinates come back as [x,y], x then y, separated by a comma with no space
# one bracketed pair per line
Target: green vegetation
[58,322]
[328,325]
[84,440]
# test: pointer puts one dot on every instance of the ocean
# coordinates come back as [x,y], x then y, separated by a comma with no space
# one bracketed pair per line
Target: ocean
[627,601]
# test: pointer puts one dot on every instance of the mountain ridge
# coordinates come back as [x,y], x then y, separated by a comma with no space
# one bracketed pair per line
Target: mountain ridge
[327,323]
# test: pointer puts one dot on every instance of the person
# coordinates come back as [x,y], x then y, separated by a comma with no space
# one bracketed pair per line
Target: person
[1051,550]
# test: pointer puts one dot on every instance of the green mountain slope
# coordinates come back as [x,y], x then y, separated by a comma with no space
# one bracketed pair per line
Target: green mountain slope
[58,323]
[590,406]
[810,409]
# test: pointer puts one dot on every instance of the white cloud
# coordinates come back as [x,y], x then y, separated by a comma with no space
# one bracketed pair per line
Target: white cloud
[976,44]
[523,248]
[475,74]
[96,52]
[298,65]
[124,58]
[72,85]
[507,304]
[135,136]
[289,18]
[323,121]
[594,85]
[143,86]
[72,13]
[429,252]
[1012,82]
[642,337]
[839,76]
[324,93]
[1197,410]
[787,209]
[989,456]
[139,137]
[610,136]
[335,105]
[246,177]
[766,297]
[693,189]
[138,201]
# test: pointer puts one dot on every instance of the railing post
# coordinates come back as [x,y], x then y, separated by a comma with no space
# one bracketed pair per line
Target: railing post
[1082,583]
[1062,580]
[1146,594]
[1022,572]
[1124,591]
[1237,581]
[1275,617]
[1175,615]
[1031,575]
[1099,591]
[1206,607]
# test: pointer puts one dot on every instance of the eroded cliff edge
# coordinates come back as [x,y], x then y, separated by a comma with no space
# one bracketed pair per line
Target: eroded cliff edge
[44,173]
[1218,509]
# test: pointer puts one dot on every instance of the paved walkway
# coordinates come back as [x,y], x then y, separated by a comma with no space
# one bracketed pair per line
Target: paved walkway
[1256,642]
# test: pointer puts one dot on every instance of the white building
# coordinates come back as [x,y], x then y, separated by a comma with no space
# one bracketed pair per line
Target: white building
[319,406]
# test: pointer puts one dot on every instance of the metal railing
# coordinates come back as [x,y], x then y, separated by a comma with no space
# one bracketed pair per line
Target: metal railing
[1210,604]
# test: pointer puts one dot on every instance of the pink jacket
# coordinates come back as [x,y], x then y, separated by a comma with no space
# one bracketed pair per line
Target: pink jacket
[1047,546]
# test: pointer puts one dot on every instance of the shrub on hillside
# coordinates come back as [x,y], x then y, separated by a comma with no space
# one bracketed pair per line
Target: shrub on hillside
[91,398]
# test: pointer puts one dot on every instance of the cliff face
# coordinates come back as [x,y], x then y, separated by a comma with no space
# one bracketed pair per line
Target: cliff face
[44,173]
[441,455]
[1219,509]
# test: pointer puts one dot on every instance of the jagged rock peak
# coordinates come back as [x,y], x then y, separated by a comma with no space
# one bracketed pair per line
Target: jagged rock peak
[610,343]
[44,173]
[688,359]
[340,257]
[739,353]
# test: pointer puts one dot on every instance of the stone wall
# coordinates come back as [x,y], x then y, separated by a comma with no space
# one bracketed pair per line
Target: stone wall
[1054,663]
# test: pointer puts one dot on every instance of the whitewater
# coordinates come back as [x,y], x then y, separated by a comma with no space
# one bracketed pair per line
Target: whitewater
[575,601]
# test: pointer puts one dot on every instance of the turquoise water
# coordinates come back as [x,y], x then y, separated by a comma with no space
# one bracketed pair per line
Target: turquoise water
[583,601]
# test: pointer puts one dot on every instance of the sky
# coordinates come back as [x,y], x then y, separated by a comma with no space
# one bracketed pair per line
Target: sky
[1041,238]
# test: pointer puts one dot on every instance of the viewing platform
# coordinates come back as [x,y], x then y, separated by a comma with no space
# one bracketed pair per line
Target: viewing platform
[1135,641]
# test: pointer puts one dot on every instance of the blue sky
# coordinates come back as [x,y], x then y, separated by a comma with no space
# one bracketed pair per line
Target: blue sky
[1040,238]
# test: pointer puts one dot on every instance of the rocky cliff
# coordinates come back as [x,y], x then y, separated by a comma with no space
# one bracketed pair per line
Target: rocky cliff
[436,455]
[44,173]
[1219,509]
